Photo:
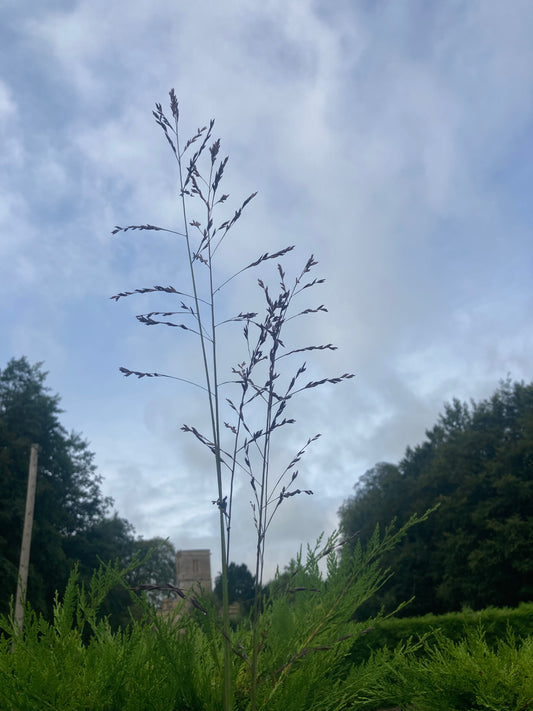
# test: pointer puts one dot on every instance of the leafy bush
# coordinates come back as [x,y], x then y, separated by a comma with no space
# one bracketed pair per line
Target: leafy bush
[79,662]
[496,624]
[459,676]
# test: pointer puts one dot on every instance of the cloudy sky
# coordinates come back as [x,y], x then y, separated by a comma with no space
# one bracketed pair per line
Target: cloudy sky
[392,140]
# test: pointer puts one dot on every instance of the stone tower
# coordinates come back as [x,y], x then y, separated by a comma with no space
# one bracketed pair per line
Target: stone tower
[193,567]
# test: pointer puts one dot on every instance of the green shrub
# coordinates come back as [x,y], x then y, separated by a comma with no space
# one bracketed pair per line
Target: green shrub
[79,662]
[149,665]
[465,675]
[307,634]
[455,626]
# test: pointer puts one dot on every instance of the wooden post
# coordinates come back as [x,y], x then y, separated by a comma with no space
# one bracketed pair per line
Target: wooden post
[24,564]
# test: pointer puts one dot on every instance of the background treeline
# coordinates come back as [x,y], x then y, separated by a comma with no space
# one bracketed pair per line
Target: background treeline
[74,522]
[476,549]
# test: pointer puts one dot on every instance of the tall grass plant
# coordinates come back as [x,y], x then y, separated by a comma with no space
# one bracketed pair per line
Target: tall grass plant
[251,404]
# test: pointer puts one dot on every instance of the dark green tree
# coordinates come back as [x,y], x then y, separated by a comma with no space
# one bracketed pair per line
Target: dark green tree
[157,566]
[68,498]
[73,521]
[241,585]
[475,550]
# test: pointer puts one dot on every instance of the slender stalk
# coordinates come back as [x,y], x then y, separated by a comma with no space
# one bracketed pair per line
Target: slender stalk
[263,356]
[224,546]
[260,551]
[277,320]
[215,427]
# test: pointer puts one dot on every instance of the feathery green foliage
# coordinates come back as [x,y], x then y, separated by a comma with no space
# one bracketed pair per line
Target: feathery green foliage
[78,662]
[459,676]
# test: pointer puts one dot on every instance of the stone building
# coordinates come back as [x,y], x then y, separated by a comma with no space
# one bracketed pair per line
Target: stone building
[193,569]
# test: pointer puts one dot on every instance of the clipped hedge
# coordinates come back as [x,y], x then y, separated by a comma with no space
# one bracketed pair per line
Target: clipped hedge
[496,623]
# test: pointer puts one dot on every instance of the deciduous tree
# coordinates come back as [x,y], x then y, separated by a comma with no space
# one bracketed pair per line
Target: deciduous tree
[73,521]
[475,550]
[241,585]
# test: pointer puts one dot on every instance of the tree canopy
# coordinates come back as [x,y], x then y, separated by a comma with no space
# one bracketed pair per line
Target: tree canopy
[73,521]
[241,585]
[475,550]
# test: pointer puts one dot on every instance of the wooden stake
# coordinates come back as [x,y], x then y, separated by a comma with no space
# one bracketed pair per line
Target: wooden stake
[24,564]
